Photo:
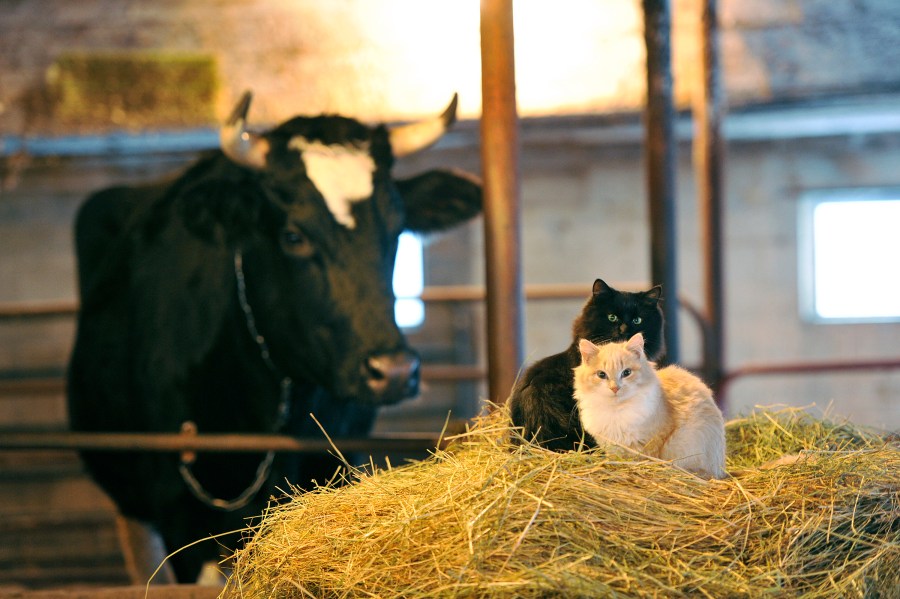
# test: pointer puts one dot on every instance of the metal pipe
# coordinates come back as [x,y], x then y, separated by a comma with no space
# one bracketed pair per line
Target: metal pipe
[660,142]
[213,443]
[53,381]
[708,171]
[16,310]
[500,174]
[442,293]
[729,377]
[245,443]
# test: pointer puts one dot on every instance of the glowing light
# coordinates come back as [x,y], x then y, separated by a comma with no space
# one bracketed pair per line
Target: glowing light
[409,282]
[855,245]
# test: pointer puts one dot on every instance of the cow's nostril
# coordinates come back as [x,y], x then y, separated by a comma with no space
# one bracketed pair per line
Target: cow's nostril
[375,369]
[393,376]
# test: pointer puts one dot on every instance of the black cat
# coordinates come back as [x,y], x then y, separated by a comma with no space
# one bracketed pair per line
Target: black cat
[541,402]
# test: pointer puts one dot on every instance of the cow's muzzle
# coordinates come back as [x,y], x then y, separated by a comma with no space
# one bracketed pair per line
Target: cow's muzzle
[393,376]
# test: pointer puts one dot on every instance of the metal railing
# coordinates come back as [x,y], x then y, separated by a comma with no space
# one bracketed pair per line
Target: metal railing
[400,442]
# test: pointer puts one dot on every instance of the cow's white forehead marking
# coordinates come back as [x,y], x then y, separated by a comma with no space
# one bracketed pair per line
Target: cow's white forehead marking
[341,173]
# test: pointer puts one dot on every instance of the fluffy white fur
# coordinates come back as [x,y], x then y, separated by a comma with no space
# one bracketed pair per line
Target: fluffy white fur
[667,413]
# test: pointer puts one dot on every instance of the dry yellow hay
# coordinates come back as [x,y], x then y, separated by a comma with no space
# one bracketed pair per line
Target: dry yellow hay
[485,518]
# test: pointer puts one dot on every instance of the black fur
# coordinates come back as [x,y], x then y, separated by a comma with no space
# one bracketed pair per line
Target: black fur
[162,338]
[541,402]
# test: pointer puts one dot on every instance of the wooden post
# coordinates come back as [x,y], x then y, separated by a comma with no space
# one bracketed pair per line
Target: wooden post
[500,170]
[708,160]
[660,145]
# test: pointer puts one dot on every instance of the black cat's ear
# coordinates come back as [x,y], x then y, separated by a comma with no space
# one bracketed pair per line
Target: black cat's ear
[600,286]
[654,294]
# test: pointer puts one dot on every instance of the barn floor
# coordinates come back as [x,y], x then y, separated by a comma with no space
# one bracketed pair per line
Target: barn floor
[59,535]
[58,527]
[127,592]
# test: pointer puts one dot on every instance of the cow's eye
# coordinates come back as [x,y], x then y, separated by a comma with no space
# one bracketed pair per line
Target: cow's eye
[295,242]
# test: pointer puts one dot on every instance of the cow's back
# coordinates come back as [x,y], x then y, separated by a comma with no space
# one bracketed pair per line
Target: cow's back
[102,225]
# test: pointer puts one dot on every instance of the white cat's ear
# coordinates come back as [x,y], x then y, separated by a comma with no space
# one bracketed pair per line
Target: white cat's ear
[588,350]
[600,286]
[654,294]
[636,344]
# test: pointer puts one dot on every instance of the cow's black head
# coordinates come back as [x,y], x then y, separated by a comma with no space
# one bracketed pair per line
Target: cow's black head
[317,225]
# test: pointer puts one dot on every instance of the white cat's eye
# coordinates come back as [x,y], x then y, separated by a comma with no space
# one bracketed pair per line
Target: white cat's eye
[637,320]
[612,317]
[626,372]
[601,374]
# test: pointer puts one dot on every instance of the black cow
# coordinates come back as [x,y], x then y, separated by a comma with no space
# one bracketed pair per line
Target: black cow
[248,292]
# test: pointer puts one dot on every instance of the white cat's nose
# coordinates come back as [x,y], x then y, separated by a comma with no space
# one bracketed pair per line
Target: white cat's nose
[614,388]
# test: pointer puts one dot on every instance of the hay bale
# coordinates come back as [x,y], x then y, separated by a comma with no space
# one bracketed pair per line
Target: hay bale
[488,519]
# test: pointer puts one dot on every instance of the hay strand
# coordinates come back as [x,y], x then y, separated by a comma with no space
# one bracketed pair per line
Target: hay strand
[485,518]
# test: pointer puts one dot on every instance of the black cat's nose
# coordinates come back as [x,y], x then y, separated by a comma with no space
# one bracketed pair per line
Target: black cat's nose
[393,376]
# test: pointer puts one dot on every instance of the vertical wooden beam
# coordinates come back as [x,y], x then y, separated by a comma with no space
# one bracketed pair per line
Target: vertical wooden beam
[708,171]
[660,145]
[500,171]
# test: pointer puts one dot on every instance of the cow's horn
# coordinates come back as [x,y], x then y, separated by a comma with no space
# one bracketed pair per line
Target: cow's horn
[240,145]
[407,139]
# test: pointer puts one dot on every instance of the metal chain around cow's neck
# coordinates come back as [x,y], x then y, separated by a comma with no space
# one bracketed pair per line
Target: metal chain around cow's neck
[262,471]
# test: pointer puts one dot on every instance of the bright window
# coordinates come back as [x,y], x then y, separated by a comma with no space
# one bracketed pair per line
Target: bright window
[850,247]
[409,281]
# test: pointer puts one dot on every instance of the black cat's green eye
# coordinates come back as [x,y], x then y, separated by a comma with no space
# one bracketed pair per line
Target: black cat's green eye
[612,317]
[636,320]
[626,372]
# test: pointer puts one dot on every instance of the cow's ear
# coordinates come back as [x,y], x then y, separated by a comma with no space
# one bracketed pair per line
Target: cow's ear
[439,199]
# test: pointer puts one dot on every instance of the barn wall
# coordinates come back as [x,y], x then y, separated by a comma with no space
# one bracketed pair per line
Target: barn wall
[591,221]
[401,58]
[580,88]
[393,59]
[584,213]
[584,216]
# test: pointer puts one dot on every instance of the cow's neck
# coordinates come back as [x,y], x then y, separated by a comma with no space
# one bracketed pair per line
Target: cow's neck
[286,382]
[263,469]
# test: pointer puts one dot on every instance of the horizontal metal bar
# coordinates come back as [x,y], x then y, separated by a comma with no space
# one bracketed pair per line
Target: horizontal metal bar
[17,310]
[213,443]
[21,383]
[442,293]
[808,367]
[730,376]
[112,144]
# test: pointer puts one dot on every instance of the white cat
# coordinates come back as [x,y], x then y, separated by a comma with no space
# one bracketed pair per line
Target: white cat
[667,413]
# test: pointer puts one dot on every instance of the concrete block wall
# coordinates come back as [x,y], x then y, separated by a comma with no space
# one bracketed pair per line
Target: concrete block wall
[584,214]
[396,59]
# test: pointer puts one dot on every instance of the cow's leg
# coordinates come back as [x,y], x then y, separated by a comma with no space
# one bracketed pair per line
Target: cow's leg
[144,552]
